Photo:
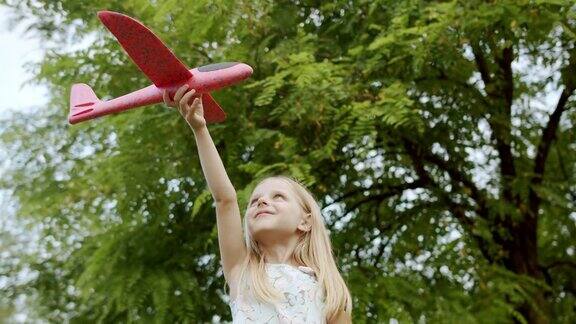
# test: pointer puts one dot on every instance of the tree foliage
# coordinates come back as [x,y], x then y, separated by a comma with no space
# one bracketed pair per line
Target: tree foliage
[437,135]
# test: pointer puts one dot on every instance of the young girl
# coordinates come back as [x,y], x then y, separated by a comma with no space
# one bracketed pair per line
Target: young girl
[278,263]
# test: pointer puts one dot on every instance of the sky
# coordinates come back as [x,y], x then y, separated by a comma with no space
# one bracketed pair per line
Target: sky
[18,50]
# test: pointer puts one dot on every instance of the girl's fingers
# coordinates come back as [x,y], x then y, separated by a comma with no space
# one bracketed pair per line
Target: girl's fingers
[179,92]
[167,98]
[196,102]
[199,105]
[184,100]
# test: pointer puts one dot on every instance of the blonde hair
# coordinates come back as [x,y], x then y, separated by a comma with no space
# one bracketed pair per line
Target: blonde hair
[313,250]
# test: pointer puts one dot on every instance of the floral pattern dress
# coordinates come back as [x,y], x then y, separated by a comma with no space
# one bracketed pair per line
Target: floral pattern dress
[303,300]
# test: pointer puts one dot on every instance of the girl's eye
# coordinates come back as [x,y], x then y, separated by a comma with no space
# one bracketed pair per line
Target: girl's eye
[276,195]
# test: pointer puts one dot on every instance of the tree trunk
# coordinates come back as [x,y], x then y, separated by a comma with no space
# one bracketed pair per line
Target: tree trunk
[522,259]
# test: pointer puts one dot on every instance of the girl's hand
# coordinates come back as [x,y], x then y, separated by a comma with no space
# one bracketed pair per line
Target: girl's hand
[194,113]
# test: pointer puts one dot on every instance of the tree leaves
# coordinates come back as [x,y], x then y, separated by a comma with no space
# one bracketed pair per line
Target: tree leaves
[391,112]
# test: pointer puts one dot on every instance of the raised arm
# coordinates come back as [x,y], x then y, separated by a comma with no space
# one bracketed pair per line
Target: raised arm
[230,238]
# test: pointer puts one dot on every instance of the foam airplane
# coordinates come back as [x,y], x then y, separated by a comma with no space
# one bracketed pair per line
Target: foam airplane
[162,67]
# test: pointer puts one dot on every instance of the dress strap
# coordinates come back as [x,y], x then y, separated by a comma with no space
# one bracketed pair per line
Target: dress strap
[307,270]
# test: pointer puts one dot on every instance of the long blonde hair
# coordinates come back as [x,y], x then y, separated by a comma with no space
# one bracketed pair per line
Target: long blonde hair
[313,250]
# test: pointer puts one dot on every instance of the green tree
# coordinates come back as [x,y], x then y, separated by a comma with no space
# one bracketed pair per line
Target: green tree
[436,134]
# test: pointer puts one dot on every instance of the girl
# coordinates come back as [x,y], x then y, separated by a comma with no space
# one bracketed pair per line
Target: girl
[283,271]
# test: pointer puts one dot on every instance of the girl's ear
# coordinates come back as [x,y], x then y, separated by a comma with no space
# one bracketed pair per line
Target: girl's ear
[305,224]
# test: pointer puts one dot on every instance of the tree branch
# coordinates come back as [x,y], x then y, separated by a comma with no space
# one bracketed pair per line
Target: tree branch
[549,133]
[409,212]
[476,194]
[481,64]
[456,209]
[377,197]
[462,84]
[391,190]
[508,87]
[501,129]
[560,263]
[548,136]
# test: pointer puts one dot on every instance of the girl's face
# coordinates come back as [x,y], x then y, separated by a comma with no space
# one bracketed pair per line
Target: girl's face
[273,212]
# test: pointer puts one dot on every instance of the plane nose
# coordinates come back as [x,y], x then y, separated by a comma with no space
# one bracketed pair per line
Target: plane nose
[247,69]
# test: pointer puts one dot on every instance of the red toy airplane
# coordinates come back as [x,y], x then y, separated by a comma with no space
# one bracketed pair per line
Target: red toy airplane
[161,67]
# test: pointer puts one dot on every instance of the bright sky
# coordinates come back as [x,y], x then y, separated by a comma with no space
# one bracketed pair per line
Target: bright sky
[17,50]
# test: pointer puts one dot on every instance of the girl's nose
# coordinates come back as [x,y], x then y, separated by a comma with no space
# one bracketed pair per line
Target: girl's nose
[261,200]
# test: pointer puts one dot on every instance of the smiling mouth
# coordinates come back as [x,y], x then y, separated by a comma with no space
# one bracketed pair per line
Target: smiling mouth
[260,214]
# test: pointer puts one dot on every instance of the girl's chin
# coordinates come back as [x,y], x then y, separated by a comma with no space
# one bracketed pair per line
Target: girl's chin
[263,227]
[268,232]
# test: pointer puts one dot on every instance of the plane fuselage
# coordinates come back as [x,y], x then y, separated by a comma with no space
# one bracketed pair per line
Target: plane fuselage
[204,79]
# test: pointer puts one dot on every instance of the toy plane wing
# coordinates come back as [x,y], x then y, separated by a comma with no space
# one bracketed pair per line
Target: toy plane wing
[156,60]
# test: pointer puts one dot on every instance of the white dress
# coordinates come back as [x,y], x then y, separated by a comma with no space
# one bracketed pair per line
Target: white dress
[303,300]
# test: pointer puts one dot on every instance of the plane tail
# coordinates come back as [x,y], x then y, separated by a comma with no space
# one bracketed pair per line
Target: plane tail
[82,101]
